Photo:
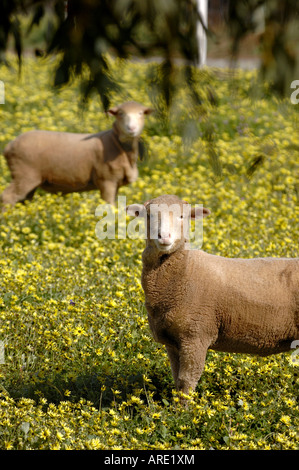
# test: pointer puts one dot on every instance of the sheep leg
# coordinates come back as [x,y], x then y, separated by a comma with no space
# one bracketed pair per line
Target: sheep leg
[108,190]
[191,364]
[174,359]
[17,192]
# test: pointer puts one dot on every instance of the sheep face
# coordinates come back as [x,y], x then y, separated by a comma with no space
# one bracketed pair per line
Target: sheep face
[167,221]
[129,119]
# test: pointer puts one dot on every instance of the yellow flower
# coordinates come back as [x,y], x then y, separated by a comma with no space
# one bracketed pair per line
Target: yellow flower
[79,331]
[285,420]
[8,445]
[95,444]
[45,434]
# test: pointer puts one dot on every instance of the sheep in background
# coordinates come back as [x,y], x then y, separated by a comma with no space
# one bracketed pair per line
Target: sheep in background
[198,301]
[68,162]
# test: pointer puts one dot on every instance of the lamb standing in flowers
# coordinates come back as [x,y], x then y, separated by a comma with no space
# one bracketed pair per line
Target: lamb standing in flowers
[68,162]
[198,301]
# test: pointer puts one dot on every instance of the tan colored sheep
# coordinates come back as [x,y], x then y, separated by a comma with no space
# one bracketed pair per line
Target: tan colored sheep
[67,162]
[197,301]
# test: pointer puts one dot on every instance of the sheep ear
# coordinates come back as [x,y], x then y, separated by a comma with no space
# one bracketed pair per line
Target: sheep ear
[113,111]
[148,111]
[199,212]
[136,210]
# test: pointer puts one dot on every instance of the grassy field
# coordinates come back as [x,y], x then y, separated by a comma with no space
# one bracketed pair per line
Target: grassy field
[80,368]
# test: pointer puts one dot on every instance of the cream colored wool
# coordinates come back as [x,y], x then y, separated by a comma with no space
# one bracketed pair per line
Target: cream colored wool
[67,162]
[197,301]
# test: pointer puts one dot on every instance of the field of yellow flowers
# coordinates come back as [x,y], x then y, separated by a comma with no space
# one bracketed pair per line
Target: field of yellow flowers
[79,368]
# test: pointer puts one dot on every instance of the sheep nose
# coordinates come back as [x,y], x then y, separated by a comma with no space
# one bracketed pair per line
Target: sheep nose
[132,128]
[164,238]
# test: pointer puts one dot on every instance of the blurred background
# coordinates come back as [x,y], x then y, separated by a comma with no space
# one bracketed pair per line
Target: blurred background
[246,33]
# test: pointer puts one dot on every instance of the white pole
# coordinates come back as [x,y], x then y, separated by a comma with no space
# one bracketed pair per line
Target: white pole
[202,7]
[65,8]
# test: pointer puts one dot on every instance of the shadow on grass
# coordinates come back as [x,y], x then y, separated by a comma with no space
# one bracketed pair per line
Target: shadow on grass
[101,390]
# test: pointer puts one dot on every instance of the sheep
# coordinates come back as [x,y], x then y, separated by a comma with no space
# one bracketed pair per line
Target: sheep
[198,301]
[68,162]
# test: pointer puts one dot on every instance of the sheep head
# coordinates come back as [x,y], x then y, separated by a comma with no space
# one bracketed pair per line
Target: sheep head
[167,221]
[129,119]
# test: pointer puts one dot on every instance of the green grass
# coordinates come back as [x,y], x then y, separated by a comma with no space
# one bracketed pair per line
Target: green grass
[81,370]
